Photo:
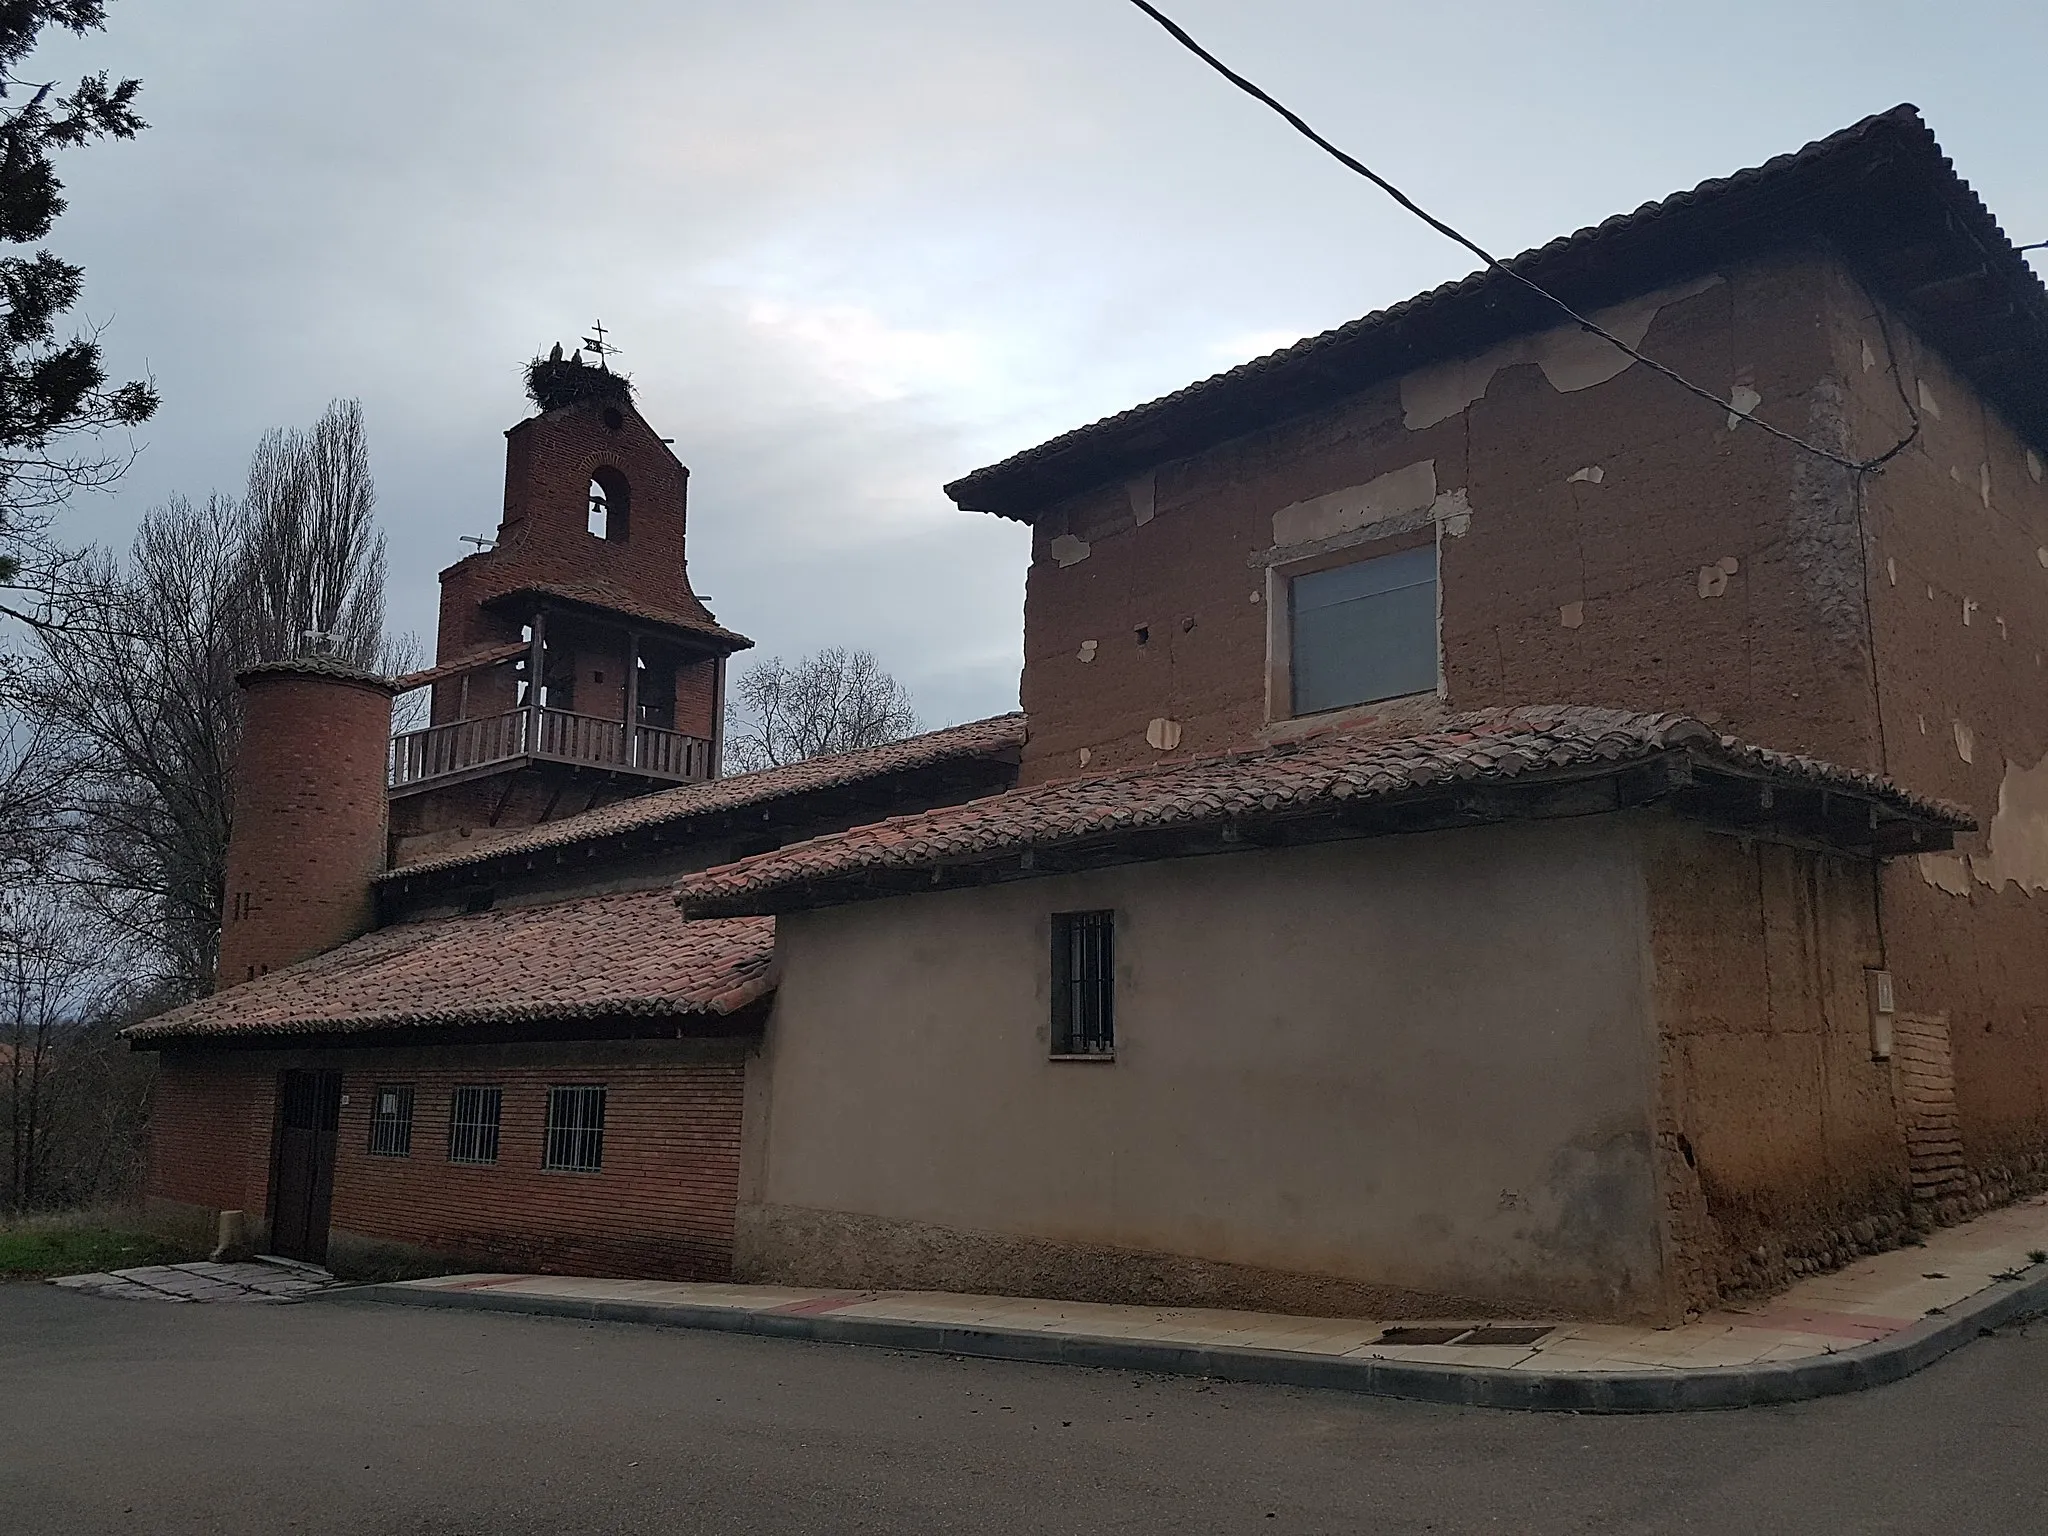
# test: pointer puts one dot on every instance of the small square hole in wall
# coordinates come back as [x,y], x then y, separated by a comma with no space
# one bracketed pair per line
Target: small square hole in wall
[1144,634]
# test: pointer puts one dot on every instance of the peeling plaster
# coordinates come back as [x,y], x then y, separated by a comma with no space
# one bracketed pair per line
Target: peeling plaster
[2041,554]
[2019,832]
[1143,491]
[1970,607]
[1946,872]
[1745,400]
[1714,578]
[1572,615]
[1984,484]
[1088,649]
[1453,512]
[1163,735]
[1085,755]
[1927,401]
[1408,489]
[1891,570]
[1068,549]
[1256,598]
[1966,742]
[1592,474]
[2034,465]
[1869,358]
[1571,359]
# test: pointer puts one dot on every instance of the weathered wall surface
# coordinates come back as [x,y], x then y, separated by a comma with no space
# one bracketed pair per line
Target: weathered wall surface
[1779,1143]
[661,1207]
[1604,538]
[1406,1074]
[1958,534]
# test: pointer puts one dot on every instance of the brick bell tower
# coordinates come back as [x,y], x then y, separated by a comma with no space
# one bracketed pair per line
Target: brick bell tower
[574,666]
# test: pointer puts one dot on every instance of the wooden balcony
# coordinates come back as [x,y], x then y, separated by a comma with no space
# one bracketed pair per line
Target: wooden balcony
[466,748]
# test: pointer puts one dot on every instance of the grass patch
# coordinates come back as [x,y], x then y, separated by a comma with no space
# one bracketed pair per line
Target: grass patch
[78,1242]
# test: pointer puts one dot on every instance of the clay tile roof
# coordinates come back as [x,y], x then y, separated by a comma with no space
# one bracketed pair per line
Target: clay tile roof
[474,661]
[319,666]
[1318,776]
[603,957]
[1879,193]
[694,618]
[978,738]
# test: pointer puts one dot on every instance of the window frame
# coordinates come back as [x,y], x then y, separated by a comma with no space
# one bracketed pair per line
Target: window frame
[1279,601]
[581,1138]
[391,1135]
[1068,1040]
[479,1129]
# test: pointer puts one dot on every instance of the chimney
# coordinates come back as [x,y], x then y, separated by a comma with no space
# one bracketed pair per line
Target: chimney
[308,833]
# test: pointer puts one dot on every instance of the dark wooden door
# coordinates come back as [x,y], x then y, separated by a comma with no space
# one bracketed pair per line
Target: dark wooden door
[309,1114]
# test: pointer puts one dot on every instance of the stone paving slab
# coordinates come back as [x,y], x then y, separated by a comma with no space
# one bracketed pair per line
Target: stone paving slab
[256,1280]
[1870,1322]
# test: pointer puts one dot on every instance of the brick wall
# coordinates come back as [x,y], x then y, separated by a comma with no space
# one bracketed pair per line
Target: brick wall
[210,1127]
[661,1208]
[309,823]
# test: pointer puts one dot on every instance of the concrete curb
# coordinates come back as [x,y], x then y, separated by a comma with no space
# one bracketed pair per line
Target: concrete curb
[1648,1391]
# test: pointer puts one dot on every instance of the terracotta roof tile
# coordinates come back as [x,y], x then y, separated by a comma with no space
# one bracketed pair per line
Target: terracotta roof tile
[604,956]
[1355,765]
[593,593]
[977,738]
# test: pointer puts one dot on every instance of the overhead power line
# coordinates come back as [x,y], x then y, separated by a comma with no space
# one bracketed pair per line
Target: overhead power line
[1352,163]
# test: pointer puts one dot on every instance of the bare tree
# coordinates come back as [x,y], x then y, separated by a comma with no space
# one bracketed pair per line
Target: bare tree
[136,676]
[47,990]
[835,701]
[313,557]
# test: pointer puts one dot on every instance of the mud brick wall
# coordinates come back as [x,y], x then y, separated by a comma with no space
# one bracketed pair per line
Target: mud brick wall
[1605,539]
[1958,539]
[1779,1145]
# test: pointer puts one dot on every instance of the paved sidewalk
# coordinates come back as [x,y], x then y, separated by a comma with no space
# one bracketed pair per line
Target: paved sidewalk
[1873,1321]
[258,1280]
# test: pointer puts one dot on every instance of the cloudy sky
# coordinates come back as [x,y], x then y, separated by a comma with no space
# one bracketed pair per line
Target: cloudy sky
[855,248]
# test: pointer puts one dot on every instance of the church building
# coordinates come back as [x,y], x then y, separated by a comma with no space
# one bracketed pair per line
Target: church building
[1488,831]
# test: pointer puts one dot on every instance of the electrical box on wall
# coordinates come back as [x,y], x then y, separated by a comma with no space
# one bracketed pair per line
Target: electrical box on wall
[1883,1005]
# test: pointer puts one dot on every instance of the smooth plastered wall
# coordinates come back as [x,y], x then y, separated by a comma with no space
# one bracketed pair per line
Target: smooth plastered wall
[1418,1066]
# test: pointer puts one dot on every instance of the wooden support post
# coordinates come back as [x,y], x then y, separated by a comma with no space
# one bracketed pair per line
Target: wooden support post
[717,752]
[632,737]
[536,660]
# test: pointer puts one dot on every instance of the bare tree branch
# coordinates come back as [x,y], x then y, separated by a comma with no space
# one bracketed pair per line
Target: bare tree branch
[835,701]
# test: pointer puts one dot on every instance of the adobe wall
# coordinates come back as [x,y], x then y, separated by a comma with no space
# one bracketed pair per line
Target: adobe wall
[661,1208]
[1958,534]
[1779,1144]
[1403,1077]
[1605,538]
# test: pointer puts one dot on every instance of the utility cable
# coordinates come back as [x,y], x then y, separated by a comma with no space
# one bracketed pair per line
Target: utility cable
[1352,163]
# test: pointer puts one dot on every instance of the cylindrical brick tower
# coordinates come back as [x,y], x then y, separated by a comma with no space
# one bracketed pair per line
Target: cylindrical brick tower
[308,832]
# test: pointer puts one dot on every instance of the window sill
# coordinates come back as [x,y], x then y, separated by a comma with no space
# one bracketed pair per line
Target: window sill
[1083,1056]
[1419,709]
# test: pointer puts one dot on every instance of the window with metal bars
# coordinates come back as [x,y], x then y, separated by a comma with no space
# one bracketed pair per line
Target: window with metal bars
[1084,984]
[575,1133]
[473,1124]
[391,1120]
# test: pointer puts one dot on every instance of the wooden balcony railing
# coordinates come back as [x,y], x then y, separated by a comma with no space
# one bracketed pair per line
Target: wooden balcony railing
[555,735]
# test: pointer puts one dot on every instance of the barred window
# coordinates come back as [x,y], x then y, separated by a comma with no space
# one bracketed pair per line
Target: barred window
[1084,984]
[391,1120]
[575,1135]
[473,1124]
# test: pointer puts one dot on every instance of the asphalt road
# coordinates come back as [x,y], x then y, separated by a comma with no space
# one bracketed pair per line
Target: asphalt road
[157,1418]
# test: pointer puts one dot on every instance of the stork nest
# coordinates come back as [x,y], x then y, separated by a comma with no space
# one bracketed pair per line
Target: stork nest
[552,383]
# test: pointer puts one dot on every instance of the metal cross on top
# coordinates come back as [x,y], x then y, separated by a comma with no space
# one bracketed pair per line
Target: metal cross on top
[600,346]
